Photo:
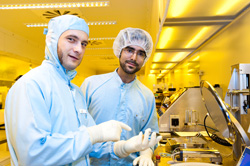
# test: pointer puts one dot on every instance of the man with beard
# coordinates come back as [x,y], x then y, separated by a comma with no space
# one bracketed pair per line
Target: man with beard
[121,96]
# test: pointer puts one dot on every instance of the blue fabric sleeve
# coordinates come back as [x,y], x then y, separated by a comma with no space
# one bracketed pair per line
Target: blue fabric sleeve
[27,113]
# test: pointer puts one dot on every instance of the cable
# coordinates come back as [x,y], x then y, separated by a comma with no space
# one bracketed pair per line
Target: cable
[173,156]
[209,127]
[214,137]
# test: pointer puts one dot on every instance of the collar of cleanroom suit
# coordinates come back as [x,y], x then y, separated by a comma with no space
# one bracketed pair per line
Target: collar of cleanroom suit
[45,114]
[108,97]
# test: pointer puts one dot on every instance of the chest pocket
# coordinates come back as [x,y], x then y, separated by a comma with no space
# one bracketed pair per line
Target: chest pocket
[81,109]
[83,117]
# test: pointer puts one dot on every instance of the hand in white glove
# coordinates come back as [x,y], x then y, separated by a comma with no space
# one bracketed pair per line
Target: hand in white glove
[107,131]
[145,158]
[136,144]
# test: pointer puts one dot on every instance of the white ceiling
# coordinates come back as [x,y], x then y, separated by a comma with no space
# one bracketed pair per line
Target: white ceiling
[99,55]
[188,26]
[185,18]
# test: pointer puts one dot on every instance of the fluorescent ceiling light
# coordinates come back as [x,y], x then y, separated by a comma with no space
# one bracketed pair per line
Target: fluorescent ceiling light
[170,56]
[197,66]
[151,75]
[192,71]
[154,71]
[178,7]
[55,5]
[153,66]
[160,75]
[102,23]
[227,6]
[196,58]
[163,66]
[197,37]
[89,23]
[165,37]
[169,66]
[164,71]
[30,25]
[158,56]
[179,56]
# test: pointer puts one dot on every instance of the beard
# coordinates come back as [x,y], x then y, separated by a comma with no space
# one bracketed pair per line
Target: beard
[60,55]
[65,61]
[126,69]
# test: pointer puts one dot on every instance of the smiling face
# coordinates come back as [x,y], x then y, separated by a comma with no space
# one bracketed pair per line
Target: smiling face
[71,48]
[132,59]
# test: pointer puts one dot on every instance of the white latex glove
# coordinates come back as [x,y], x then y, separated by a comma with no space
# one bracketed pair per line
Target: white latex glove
[107,131]
[136,144]
[145,158]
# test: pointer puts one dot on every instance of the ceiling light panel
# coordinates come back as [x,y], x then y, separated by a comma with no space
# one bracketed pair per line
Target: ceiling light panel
[162,66]
[192,8]
[170,56]
[89,23]
[195,57]
[167,34]
[55,5]
[182,7]
[159,71]
[186,36]
[36,25]
[164,71]
[200,35]
[155,71]
[230,7]
[193,65]
[102,23]
[160,75]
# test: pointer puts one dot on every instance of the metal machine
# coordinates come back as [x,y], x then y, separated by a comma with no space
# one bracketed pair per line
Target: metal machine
[187,154]
[239,100]
[204,101]
[186,109]
[185,114]
[238,90]
[224,120]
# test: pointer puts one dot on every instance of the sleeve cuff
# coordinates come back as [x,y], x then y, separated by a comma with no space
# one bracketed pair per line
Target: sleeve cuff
[113,155]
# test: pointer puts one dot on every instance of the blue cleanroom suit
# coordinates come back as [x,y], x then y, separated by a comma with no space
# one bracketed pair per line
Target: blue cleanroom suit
[45,114]
[131,103]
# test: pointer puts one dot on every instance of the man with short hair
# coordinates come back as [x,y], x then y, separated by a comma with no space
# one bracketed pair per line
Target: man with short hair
[121,96]
[46,119]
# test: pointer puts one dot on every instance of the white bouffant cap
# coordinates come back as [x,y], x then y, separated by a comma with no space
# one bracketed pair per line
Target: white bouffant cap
[133,36]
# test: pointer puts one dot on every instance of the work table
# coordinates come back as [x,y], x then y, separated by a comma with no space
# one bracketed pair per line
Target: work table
[226,154]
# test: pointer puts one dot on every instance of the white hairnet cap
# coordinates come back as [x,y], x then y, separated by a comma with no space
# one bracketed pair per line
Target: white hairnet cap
[133,36]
